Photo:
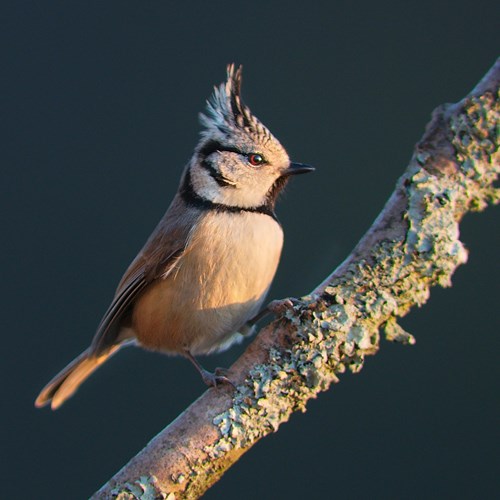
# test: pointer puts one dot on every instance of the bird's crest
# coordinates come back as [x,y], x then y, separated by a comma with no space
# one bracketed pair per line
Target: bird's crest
[227,113]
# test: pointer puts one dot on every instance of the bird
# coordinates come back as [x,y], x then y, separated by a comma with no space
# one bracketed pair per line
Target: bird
[205,271]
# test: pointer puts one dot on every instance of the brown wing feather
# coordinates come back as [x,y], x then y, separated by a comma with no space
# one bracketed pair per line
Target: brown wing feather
[158,256]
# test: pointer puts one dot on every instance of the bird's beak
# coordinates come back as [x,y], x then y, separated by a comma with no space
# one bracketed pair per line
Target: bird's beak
[297,168]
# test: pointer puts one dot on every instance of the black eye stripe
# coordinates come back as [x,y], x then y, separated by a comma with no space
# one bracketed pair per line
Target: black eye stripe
[213,146]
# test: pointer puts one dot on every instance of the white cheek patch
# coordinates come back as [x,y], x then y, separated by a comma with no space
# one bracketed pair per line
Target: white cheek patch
[204,184]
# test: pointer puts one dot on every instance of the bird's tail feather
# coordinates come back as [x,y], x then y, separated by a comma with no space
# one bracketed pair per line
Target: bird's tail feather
[67,381]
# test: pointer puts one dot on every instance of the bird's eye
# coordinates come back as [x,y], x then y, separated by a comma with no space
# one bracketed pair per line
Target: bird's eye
[255,159]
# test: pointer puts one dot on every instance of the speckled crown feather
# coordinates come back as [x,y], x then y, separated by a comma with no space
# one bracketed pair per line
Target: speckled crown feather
[226,112]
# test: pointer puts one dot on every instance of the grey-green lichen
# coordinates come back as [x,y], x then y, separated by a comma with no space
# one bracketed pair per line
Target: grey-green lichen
[144,488]
[475,139]
[335,333]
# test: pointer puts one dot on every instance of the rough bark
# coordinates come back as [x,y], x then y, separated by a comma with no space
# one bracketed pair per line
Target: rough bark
[412,245]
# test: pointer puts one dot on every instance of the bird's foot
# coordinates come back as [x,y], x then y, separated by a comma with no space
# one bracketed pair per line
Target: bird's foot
[218,377]
[276,307]
[281,306]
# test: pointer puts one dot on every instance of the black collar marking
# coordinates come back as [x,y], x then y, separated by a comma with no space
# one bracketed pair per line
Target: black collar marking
[191,198]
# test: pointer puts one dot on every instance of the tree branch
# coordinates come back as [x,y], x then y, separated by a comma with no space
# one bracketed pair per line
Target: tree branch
[412,245]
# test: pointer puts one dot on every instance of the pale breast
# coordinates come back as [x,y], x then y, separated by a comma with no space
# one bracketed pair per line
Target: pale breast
[217,285]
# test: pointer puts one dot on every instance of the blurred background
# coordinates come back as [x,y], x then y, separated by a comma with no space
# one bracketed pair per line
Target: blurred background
[99,104]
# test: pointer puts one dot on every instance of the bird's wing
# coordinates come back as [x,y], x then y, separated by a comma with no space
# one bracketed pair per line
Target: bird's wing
[158,257]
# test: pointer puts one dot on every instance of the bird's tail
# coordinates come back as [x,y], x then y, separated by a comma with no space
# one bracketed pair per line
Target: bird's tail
[67,381]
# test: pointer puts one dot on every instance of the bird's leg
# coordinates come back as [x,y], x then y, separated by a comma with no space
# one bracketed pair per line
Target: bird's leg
[211,379]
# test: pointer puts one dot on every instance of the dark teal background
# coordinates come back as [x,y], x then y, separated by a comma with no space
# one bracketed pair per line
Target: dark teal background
[99,104]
